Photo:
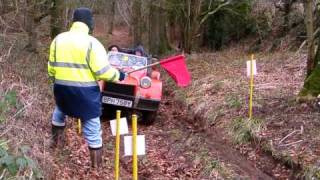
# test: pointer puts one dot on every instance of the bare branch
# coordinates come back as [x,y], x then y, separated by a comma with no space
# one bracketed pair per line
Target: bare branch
[123,13]
[214,11]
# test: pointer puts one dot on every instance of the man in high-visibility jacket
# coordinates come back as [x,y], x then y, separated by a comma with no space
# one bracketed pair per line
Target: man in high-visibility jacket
[77,60]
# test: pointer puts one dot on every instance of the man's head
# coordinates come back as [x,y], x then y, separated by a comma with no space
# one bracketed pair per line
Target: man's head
[84,15]
[139,51]
[114,48]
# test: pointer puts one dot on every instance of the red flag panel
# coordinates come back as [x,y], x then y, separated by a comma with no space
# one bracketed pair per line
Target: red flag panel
[177,69]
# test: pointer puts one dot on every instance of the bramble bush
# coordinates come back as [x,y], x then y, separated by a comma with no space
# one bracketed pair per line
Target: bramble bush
[14,165]
[19,165]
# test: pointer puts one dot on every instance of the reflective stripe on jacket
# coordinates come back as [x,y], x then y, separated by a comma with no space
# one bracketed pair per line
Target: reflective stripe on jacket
[77,60]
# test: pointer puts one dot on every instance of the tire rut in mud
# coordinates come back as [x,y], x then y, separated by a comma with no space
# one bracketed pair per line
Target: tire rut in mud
[173,120]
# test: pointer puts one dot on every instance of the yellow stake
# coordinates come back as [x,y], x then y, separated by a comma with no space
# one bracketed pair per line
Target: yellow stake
[116,162]
[134,148]
[251,87]
[79,126]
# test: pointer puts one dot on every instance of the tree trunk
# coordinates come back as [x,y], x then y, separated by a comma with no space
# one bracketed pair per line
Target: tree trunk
[31,26]
[157,36]
[287,6]
[174,33]
[287,9]
[308,7]
[164,44]
[5,6]
[111,12]
[311,86]
[187,29]
[136,22]
[191,24]
[195,13]
[153,29]
[56,12]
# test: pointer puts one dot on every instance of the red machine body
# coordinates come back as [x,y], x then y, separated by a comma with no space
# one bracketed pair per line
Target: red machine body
[140,91]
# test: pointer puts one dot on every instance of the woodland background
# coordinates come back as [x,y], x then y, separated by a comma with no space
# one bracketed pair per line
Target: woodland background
[217,37]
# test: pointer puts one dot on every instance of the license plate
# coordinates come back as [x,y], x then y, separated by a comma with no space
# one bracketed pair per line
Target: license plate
[116,101]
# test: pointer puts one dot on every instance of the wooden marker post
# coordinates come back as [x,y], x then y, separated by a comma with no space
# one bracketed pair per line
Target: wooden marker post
[117,153]
[251,86]
[134,148]
[79,126]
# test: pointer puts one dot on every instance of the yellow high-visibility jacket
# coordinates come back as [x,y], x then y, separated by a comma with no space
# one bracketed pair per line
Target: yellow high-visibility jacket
[77,60]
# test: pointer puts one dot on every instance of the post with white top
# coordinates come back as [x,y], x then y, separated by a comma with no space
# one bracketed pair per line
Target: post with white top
[251,86]
[117,154]
[134,148]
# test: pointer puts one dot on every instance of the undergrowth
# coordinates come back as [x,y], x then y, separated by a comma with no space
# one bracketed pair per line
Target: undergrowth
[233,101]
[8,100]
[244,130]
[14,165]
[213,166]
[20,165]
[312,173]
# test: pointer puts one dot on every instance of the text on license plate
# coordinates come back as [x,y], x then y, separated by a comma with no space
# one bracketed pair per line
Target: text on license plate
[116,101]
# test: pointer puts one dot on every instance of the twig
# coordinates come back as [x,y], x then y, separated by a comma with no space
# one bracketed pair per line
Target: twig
[122,14]
[214,11]
[2,21]
[265,87]
[16,127]
[31,174]
[301,46]
[44,150]
[3,173]
[290,134]
[5,132]
[21,110]
[3,143]
[4,57]
[293,143]
[305,42]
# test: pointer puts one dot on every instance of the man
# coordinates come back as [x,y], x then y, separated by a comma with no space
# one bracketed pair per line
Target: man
[114,48]
[77,60]
[139,51]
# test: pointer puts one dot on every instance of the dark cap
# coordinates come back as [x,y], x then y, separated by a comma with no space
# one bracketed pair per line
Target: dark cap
[83,15]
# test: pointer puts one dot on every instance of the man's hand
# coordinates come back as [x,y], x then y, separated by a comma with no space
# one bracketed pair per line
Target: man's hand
[123,75]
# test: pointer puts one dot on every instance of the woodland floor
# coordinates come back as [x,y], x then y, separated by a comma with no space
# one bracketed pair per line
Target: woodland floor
[192,137]
[284,128]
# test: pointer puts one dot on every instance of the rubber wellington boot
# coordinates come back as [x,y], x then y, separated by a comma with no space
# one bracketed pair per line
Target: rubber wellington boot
[58,139]
[96,157]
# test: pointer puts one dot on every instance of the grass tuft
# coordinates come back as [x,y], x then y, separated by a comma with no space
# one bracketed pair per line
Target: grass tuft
[244,130]
[8,100]
[312,173]
[233,101]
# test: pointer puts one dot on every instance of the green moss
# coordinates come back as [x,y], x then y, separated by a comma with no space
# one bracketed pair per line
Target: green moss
[311,85]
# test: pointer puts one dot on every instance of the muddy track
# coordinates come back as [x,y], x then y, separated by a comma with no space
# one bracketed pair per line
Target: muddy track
[233,157]
[173,116]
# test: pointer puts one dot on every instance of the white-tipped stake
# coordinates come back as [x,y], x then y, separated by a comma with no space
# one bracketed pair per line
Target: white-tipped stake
[123,126]
[141,145]
[254,68]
